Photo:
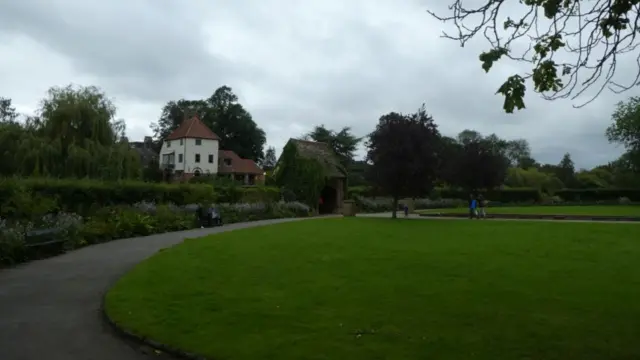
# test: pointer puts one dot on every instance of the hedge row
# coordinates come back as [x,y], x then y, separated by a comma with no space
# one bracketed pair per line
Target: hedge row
[505,195]
[519,194]
[598,194]
[83,195]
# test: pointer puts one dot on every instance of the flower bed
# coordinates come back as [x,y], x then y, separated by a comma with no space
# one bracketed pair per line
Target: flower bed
[383,204]
[53,234]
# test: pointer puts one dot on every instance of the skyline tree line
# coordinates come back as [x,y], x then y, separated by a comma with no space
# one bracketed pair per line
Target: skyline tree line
[75,133]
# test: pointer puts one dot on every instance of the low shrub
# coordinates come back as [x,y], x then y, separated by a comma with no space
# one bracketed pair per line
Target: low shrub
[257,194]
[361,191]
[369,205]
[55,233]
[514,195]
[423,204]
[624,200]
[551,200]
[385,204]
[232,213]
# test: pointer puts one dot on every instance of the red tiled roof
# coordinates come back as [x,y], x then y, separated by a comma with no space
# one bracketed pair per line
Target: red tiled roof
[193,128]
[238,165]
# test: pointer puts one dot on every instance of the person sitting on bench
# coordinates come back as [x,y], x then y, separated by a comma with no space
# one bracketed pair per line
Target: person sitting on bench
[215,219]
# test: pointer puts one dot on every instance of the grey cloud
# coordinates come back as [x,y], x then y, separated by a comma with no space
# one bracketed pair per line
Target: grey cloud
[149,51]
[362,60]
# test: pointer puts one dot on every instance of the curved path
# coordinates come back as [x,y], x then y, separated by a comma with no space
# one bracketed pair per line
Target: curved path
[50,309]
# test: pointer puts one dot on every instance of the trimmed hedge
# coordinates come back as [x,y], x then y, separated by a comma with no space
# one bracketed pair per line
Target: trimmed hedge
[81,196]
[598,194]
[519,195]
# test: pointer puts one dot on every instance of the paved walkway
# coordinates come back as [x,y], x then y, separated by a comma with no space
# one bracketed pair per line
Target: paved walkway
[50,309]
[418,217]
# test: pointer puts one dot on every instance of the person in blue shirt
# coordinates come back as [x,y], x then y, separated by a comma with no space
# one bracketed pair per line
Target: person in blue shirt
[473,206]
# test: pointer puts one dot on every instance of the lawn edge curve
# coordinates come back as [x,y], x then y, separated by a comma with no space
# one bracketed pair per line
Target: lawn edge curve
[127,335]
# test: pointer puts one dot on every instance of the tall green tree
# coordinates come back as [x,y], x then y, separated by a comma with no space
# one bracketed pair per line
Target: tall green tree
[474,165]
[404,153]
[357,173]
[224,115]
[566,171]
[7,110]
[574,44]
[625,129]
[467,136]
[343,142]
[518,152]
[75,134]
[532,178]
[270,159]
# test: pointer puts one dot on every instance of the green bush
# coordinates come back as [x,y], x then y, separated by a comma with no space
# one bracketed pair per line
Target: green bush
[85,196]
[82,196]
[594,195]
[362,191]
[259,194]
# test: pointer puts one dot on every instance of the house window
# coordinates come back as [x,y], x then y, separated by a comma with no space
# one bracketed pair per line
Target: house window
[197,158]
[210,159]
[227,162]
[179,158]
[168,144]
[181,141]
[198,142]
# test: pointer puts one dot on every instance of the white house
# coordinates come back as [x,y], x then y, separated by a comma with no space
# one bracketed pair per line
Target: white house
[191,150]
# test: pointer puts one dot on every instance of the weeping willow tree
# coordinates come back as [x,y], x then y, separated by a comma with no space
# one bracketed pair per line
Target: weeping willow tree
[75,134]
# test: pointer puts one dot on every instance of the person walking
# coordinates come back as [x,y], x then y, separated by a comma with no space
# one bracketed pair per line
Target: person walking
[482,204]
[473,204]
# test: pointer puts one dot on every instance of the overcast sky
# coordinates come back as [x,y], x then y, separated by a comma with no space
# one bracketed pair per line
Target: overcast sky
[294,64]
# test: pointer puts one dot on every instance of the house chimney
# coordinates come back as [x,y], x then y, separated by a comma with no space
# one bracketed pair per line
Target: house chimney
[148,142]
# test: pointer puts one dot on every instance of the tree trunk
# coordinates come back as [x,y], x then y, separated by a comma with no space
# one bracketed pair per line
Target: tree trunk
[394,214]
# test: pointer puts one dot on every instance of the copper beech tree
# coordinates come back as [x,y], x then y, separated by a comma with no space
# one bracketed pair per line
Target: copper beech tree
[403,152]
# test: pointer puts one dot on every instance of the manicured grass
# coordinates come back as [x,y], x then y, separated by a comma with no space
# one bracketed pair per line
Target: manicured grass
[615,210]
[357,288]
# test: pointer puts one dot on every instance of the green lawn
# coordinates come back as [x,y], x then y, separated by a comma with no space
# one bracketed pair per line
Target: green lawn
[616,210]
[362,289]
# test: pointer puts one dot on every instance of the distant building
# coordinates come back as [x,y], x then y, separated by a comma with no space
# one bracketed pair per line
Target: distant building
[194,150]
[146,151]
[243,170]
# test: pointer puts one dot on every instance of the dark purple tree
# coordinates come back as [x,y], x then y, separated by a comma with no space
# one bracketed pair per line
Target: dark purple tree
[403,152]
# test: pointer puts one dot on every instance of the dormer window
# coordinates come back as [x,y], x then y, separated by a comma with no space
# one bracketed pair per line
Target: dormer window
[227,162]
[168,144]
